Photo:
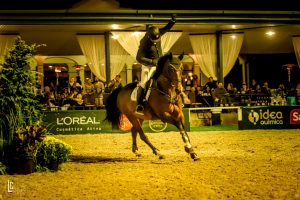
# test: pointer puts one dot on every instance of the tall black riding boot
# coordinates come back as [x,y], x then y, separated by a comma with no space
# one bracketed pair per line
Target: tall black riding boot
[140,99]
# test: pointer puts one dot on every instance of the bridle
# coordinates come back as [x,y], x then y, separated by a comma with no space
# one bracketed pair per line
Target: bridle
[174,83]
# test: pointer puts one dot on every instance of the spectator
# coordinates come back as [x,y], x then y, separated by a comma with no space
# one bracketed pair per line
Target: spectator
[211,83]
[72,84]
[244,89]
[89,91]
[258,89]
[192,95]
[99,89]
[76,98]
[298,93]
[115,83]
[253,85]
[265,89]
[220,95]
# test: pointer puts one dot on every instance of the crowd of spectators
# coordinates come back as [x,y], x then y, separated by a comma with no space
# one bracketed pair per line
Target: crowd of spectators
[76,95]
[92,94]
[214,93]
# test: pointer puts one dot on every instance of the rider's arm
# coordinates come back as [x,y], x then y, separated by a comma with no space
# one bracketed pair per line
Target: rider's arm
[141,56]
[167,27]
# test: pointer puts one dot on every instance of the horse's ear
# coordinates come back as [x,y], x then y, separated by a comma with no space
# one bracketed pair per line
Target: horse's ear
[181,56]
[170,55]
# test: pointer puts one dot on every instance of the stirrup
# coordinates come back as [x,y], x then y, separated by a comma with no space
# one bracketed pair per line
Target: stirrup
[139,108]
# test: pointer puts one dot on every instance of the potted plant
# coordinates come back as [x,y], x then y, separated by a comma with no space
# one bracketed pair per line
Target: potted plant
[25,145]
[52,153]
[19,105]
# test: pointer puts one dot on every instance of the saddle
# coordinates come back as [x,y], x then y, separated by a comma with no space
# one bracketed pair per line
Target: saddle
[147,90]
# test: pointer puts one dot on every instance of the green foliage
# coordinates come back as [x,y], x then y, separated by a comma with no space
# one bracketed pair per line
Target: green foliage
[53,150]
[2,169]
[26,140]
[18,104]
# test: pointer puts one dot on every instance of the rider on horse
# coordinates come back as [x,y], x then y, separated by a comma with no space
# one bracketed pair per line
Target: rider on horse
[148,54]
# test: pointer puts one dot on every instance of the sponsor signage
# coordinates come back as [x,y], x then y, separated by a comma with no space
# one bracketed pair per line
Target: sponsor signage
[270,117]
[92,121]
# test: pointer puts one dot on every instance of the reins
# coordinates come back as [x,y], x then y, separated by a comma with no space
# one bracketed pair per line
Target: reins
[173,100]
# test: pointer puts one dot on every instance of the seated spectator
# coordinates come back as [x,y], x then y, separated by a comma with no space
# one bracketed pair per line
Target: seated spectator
[64,97]
[220,95]
[244,89]
[265,89]
[76,98]
[232,93]
[253,85]
[192,95]
[49,97]
[258,89]
[282,90]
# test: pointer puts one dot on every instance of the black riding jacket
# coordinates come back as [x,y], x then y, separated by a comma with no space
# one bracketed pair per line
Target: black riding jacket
[148,50]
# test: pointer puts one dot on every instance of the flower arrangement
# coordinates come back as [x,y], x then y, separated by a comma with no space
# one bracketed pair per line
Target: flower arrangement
[53,152]
[27,139]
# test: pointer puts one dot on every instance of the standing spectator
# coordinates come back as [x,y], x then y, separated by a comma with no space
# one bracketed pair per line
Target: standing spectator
[253,85]
[211,83]
[99,89]
[89,91]
[115,83]
[72,84]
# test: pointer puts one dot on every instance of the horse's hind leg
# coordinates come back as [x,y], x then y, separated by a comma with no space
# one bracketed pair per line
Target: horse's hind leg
[137,128]
[144,137]
[134,144]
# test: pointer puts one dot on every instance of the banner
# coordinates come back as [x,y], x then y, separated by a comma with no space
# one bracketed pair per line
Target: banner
[92,121]
[270,117]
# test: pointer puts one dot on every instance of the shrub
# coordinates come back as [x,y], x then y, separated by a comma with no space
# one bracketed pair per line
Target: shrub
[52,150]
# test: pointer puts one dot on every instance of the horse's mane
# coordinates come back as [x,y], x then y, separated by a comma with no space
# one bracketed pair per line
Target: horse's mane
[160,64]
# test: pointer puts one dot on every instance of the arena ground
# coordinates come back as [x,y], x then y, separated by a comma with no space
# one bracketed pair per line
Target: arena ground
[256,164]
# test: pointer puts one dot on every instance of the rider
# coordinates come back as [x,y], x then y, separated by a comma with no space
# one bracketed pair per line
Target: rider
[148,54]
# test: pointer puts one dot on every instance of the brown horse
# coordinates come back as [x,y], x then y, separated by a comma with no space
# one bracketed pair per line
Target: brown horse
[164,103]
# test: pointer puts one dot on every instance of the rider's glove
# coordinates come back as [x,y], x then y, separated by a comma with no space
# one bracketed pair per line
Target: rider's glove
[173,17]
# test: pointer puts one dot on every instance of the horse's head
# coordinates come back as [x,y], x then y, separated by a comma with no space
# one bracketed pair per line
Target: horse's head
[171,67]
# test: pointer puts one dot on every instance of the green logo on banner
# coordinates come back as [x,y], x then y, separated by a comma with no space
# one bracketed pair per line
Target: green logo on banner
[157,125]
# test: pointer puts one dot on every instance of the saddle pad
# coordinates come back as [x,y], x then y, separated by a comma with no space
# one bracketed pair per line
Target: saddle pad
[133,95]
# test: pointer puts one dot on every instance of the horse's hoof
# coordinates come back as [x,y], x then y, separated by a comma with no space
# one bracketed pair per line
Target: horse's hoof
[138,154]
[194,157]
[161,157]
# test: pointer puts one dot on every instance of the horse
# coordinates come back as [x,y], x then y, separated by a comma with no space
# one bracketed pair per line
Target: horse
[164,103]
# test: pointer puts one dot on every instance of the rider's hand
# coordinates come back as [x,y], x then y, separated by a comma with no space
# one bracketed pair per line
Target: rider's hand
[173,17]
[155,61]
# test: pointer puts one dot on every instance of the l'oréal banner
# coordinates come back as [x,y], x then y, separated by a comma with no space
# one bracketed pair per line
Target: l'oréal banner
[91,121]
[270,117]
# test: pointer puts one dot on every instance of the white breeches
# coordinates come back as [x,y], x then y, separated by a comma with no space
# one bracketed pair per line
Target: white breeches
[147,72]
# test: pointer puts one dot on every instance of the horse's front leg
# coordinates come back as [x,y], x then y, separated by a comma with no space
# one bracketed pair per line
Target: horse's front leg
[188,147]
[178,122]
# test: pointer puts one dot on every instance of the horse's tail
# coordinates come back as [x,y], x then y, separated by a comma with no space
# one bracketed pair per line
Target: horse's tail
[112,111]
